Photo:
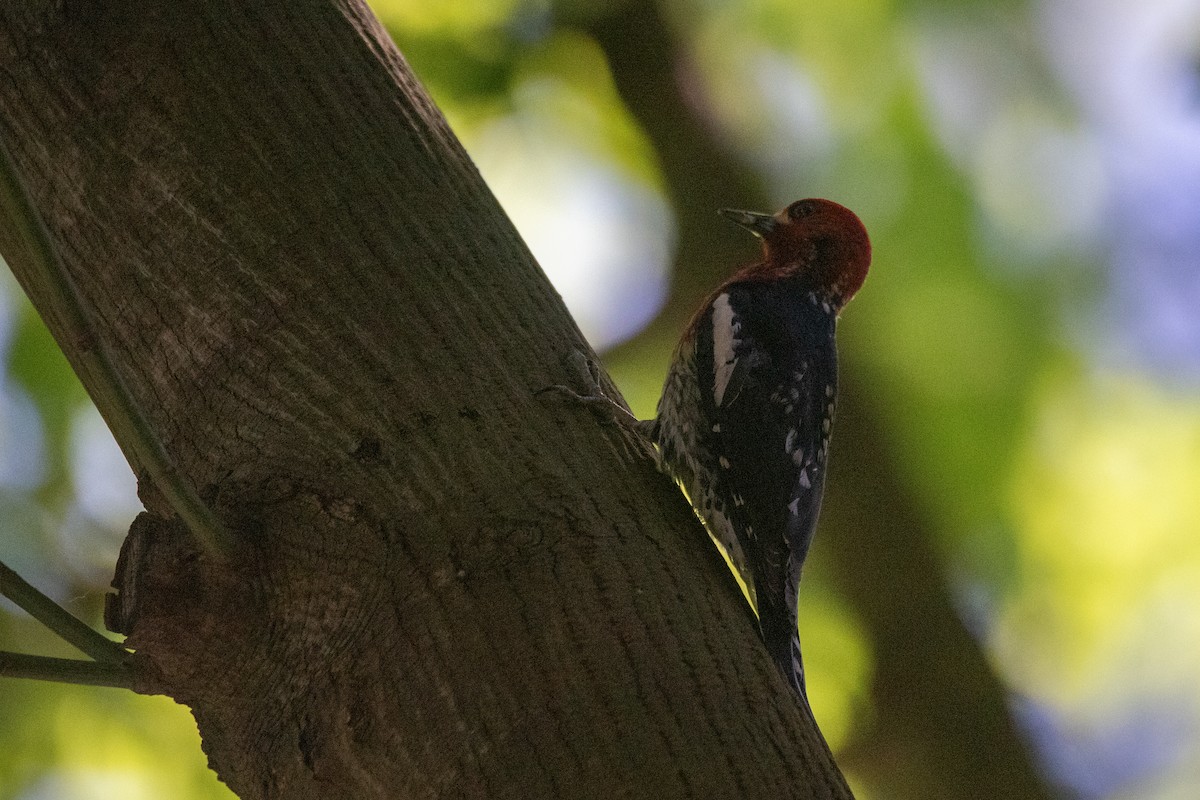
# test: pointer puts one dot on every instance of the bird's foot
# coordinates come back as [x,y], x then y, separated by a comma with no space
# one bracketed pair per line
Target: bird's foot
[588,373]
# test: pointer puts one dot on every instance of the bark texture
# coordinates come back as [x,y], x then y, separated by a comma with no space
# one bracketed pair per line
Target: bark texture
[443,585]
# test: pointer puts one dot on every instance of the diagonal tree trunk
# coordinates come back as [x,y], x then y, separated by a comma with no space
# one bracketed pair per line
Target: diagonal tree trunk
[440,585]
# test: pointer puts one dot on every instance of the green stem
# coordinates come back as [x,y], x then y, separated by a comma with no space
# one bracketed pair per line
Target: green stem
[117,401]
[65,670]
[59,620]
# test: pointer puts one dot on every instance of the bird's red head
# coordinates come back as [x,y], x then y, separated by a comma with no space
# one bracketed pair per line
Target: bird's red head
[822,243]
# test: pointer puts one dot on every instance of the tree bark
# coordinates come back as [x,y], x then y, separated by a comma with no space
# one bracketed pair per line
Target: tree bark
[442,585]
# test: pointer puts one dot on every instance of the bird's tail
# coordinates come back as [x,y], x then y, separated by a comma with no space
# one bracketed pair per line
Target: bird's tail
[782,640]
[791,665]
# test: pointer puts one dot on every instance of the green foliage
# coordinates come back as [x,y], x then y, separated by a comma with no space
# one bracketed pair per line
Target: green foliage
[36,364]
[78,743]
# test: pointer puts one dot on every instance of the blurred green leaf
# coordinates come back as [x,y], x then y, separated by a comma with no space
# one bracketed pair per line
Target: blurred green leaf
[37,364]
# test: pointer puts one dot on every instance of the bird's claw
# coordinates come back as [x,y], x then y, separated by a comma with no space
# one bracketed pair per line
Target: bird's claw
[588,372]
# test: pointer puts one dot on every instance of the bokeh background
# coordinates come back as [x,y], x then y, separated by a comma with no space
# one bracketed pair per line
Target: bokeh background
[1004,598]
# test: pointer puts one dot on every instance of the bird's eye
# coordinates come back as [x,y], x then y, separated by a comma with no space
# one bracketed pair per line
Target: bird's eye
[800,209]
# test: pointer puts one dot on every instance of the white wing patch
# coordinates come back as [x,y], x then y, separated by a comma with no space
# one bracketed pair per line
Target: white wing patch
[725,332]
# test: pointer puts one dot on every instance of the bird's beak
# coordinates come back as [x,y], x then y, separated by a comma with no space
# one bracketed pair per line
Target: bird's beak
[756,223]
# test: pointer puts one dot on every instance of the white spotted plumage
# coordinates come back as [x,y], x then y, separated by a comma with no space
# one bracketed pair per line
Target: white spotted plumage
[761,509]
[686,455]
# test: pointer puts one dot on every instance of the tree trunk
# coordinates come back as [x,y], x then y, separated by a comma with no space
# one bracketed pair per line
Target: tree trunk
[442,585]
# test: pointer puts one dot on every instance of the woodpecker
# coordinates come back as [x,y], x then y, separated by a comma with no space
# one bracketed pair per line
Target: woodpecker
[744,420]
[747,407]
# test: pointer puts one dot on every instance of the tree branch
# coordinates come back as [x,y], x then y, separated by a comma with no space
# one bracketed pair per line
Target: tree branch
[59,620]
[65,670]
[120,409]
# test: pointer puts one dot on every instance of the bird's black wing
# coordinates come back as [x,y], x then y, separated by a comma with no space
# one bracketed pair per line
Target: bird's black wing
[773,418]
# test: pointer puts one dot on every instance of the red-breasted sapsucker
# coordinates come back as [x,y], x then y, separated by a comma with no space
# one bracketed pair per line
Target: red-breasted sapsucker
[745,415]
